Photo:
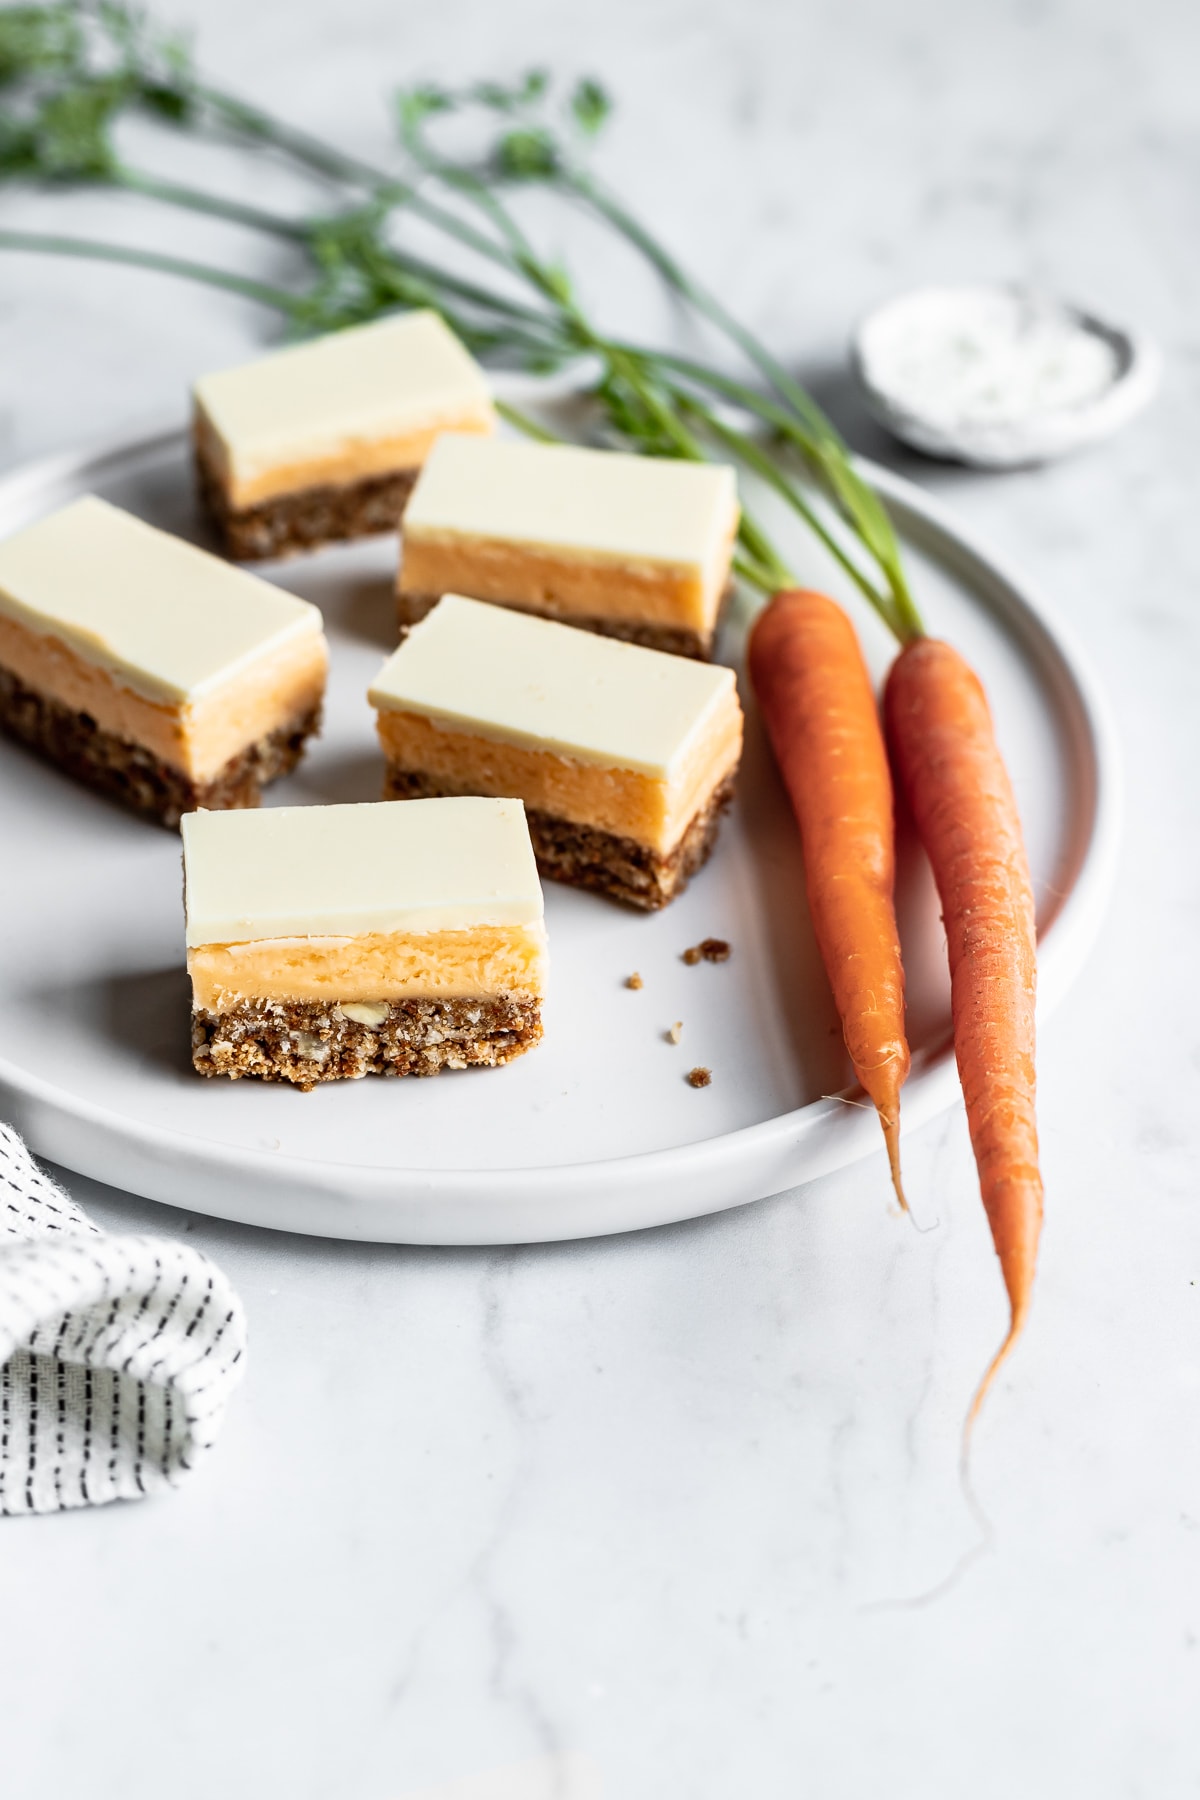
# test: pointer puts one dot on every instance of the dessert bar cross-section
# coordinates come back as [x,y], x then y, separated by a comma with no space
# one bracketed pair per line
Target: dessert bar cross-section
[331,942]
[323,440]
[150,670]
[629,546]
[624,757]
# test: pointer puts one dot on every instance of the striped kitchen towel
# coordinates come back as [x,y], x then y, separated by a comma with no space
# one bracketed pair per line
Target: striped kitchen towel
[117,1354]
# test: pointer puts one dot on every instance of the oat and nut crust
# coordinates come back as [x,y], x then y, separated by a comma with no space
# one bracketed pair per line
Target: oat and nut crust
[307,1042]
[134,775]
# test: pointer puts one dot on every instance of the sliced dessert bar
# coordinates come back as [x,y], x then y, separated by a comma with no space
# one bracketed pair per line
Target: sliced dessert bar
[624,757]
[150,670]
[336,941]
[323,440]
[625,545]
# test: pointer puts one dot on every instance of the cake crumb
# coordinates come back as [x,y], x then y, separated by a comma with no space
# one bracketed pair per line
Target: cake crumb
[714,950]
[700,1077]
[676,1032]
[634,981]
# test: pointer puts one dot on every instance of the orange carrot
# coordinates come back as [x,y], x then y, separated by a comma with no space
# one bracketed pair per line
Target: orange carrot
[819,708]
[958,788]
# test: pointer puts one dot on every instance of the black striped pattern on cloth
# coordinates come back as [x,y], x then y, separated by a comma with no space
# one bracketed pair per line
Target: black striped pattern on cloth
[117,1354]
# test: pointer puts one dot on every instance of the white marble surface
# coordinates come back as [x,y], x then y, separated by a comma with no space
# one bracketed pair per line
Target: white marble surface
[619,1517]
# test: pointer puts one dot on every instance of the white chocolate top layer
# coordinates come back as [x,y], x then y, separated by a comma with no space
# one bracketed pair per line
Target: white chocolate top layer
[344,871]
[598,504]
[166,619]
[390,379]
[545,686]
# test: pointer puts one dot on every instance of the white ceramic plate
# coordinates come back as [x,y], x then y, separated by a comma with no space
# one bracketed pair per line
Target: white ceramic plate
[597,1130]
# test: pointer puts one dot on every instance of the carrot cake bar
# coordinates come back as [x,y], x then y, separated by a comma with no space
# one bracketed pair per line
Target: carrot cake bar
[327,942]
[150,670]
[630,546]
[324,440]
[624,757]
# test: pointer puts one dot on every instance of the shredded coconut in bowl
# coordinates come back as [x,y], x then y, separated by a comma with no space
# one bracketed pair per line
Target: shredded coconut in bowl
[997,375]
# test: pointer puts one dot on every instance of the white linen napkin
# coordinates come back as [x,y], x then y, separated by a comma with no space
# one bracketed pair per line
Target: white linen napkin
[117,1354]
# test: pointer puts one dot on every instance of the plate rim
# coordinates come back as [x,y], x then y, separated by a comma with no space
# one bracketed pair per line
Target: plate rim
[931,1088]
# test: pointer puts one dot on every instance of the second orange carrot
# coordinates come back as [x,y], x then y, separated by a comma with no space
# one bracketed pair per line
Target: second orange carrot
[962,801]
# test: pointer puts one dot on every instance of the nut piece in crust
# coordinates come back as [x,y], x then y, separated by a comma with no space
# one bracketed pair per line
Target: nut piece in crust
[363,1012]
[635,981]
[713,950]
[700,1077]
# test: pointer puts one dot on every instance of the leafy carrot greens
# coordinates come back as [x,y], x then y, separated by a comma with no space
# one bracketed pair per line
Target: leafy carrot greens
[70,74]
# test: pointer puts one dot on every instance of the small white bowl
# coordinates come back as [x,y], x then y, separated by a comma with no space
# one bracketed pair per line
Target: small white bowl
[999,376]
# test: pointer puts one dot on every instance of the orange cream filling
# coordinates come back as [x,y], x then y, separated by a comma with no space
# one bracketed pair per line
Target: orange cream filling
[625,802]
[353,460]
[561,586]
[482,963]
[197,737]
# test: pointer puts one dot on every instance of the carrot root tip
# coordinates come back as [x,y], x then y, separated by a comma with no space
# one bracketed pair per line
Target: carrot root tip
[990,1373]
